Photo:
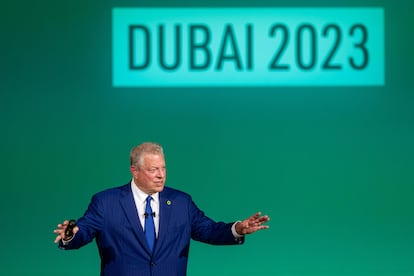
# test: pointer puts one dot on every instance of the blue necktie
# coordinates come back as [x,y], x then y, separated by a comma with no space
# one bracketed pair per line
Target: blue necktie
[149,224]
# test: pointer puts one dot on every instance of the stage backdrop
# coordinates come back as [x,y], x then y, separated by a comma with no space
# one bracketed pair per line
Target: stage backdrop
[332,165]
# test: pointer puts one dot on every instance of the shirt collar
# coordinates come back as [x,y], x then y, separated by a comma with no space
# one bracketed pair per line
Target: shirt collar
[140,195]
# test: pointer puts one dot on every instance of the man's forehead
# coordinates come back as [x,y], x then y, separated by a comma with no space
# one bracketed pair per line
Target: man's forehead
[152,158]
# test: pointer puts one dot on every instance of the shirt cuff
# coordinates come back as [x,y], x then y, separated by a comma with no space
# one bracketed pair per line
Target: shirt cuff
[66,242]
[233,230]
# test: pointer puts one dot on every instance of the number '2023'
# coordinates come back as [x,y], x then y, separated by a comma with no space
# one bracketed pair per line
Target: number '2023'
[358,32]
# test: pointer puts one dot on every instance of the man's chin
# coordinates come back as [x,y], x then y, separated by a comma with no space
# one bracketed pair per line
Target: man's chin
[160,188]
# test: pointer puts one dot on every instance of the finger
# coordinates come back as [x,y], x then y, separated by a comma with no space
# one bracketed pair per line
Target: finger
[262,227]
[63,225]
[57,239]
[57,231]
[264,218]
[257,214]
[254,216]
[260,221]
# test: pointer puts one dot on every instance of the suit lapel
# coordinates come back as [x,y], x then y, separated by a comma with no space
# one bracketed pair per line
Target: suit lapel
[128,205]
[165,213]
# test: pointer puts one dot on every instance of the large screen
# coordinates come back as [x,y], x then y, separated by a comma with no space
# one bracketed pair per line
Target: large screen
[302,110]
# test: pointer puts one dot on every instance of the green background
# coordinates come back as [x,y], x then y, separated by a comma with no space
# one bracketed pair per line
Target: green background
[332,166]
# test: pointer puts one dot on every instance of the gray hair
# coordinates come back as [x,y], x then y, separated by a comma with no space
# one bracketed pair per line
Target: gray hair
[137,152]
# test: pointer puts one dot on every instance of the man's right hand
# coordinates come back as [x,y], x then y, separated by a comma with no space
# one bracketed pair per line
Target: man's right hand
[60,231]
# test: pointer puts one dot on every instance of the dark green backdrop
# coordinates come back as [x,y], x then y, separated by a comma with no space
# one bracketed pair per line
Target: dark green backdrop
[332,166]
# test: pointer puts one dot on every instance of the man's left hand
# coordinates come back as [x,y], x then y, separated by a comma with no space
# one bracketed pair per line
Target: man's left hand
[252,224]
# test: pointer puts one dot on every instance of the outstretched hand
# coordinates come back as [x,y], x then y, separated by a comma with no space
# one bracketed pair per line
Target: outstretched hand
[60,231]
[252,224]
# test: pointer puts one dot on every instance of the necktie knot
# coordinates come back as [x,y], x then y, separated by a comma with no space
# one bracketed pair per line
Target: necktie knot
[149,198]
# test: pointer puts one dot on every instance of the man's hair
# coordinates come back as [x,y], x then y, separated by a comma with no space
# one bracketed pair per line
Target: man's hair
[144,148]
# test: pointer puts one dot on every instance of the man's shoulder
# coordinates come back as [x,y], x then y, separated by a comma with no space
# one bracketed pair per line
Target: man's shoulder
[114,191]
[126,189]
[172,192]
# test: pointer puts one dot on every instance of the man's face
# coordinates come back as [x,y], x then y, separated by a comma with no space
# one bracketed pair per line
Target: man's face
[150,176]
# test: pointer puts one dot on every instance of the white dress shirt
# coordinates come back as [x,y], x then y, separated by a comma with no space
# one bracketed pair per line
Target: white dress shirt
[140,199]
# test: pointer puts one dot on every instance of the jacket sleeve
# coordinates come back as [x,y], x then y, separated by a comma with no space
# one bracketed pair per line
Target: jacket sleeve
[206,230]
[90,225]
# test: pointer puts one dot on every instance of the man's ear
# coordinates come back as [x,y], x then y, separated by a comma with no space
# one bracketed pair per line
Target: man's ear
[133,170]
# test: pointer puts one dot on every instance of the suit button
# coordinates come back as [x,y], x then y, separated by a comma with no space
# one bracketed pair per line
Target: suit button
[152,263]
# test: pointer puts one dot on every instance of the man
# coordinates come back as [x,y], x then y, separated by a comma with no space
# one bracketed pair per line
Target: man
[144,228]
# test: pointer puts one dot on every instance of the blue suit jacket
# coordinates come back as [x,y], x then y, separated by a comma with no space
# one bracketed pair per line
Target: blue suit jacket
[112,219]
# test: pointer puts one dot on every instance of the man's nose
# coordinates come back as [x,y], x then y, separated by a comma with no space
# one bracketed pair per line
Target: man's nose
[160,173]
